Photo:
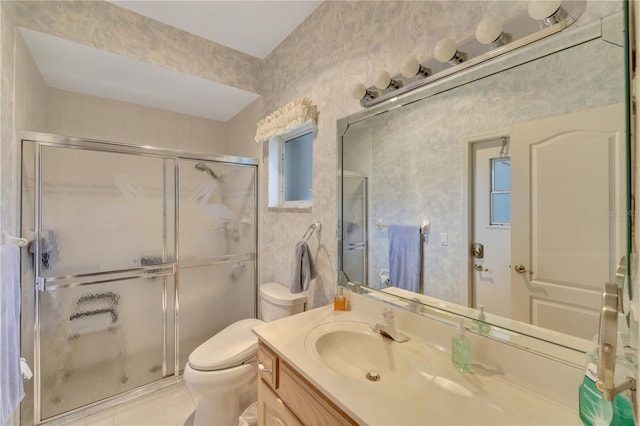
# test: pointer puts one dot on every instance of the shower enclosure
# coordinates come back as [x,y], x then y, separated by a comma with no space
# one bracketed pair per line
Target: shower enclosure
[138,255]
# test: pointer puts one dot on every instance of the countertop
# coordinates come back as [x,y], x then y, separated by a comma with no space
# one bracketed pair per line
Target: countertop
[439,394]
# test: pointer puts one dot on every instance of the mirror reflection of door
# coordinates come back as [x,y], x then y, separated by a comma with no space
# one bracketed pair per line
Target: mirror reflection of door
[567,243]
[490,275]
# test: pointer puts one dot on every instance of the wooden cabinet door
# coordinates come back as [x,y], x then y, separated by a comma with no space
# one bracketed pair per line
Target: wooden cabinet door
[271,409]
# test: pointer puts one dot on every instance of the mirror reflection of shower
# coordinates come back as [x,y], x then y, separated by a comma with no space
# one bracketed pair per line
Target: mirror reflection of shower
[355,212]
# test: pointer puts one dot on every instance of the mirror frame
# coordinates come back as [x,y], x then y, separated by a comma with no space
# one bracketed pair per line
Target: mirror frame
[543,341]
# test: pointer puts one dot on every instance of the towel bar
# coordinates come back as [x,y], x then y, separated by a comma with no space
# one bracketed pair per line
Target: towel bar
[424,228]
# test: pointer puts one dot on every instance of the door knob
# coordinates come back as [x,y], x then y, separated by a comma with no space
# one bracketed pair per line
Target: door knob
[478,267]
[521,269]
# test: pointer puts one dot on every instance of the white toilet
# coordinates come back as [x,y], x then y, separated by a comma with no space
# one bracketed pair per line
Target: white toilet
[223,370]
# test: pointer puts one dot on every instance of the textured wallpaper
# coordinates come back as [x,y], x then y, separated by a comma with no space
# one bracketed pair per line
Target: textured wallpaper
[8,151]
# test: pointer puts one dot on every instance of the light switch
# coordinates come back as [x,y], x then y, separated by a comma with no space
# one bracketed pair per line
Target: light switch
[444,239]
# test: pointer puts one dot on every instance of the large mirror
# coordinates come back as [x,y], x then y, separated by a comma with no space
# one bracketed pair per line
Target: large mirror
[501,193]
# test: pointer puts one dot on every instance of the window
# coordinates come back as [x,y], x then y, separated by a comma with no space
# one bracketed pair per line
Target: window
[501,191]
[291,169]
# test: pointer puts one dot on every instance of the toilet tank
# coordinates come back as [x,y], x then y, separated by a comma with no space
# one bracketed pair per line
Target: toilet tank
[276,301]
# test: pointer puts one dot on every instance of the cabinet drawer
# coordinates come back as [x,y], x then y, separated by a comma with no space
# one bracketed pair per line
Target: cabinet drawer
[268,364]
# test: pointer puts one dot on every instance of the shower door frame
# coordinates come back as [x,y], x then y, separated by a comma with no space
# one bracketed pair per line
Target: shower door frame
[32,284]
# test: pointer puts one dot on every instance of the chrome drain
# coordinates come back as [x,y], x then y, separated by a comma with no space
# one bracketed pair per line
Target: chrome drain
[373,376]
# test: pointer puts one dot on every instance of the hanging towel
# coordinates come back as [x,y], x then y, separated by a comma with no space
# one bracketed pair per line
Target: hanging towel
[405,256]
[304,268]
[11,387]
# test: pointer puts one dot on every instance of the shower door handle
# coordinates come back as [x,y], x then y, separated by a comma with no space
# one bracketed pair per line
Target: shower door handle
[151,271]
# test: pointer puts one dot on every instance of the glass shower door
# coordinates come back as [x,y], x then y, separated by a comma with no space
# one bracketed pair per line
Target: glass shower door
[104,260]
[217,243]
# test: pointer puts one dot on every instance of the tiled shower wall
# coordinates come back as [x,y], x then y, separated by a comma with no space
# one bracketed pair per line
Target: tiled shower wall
[75,114]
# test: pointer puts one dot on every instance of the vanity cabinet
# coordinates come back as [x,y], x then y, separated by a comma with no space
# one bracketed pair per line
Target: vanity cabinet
[287,398]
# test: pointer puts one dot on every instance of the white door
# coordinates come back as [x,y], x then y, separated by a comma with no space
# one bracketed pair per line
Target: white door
[491,226]
[568,216]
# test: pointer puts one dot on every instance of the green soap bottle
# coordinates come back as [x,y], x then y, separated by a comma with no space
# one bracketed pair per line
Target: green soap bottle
[461,350]
[592,407]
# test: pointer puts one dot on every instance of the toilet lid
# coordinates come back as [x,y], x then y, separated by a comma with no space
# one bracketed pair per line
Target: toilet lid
[280,295]
[229,348]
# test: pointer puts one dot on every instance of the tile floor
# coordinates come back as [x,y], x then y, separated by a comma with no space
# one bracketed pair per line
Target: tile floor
[171,406]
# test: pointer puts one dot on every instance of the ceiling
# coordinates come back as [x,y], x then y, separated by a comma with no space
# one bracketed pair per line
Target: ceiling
[252,27]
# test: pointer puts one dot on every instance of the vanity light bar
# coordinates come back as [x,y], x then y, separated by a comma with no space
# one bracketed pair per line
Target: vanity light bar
[451,57]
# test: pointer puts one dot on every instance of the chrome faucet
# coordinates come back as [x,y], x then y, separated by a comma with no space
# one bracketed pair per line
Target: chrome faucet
[388,327]
[607,341]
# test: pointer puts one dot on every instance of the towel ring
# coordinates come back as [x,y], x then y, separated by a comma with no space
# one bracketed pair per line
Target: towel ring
[317,226]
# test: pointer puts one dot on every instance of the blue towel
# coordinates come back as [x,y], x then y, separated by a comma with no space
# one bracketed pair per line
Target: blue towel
[405,256]
[11,388]
[303,270]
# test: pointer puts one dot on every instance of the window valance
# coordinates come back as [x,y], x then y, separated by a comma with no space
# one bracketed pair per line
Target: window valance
[294,114]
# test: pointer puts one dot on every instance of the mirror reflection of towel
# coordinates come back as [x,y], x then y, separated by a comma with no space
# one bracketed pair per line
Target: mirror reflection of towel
[303,270]
[405,256]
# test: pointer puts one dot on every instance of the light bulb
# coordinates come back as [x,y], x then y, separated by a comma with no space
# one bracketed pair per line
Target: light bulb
[542,9]
[410,68]
[383,80]
[445,50]
[359,91]
[489,30]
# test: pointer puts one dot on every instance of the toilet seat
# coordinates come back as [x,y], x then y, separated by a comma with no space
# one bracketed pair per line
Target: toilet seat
[229,348]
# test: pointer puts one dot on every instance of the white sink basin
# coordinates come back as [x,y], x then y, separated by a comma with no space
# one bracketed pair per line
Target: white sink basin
[352,350]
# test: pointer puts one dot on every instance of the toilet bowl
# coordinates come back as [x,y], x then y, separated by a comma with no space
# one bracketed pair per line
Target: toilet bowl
[223,370]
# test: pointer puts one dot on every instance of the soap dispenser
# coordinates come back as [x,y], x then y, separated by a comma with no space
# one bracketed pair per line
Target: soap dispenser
[461,349]
[339,301]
